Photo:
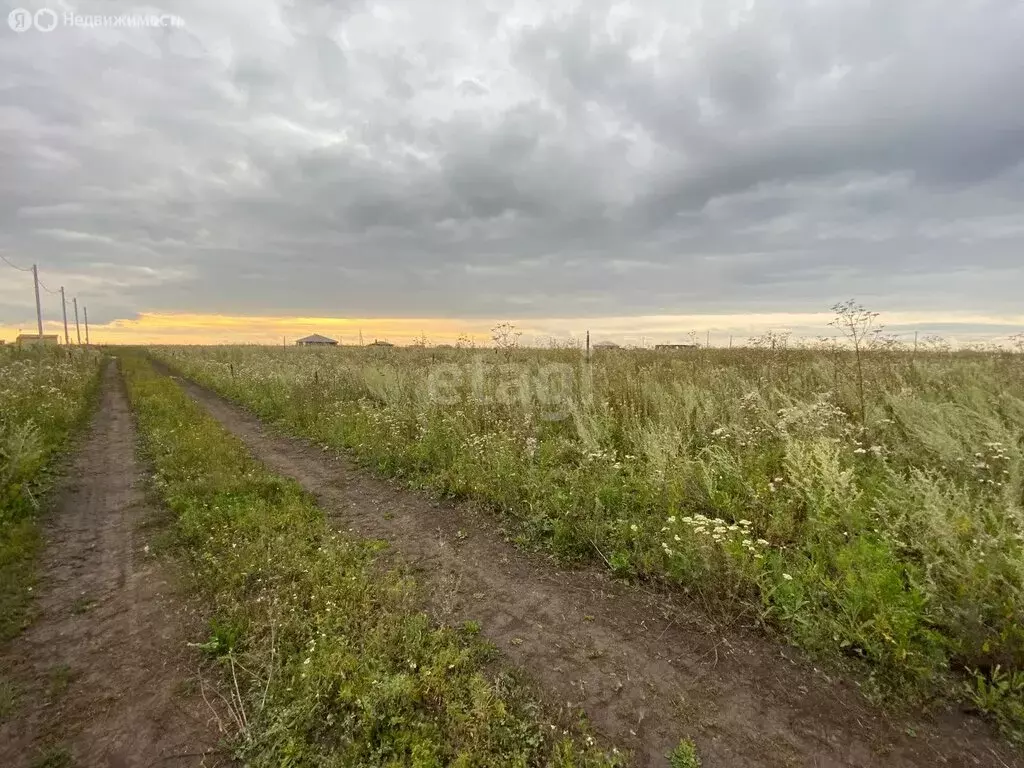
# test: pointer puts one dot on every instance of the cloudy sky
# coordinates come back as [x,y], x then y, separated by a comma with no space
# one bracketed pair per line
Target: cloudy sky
[641,168]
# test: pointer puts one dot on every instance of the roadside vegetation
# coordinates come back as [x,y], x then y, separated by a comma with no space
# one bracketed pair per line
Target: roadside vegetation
[325,657]
[44,395]
[862,498]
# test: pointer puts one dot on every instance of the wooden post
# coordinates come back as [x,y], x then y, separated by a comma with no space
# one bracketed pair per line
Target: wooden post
[39,309]
[64,310]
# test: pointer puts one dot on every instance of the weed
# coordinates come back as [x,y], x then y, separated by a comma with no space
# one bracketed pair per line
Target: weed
[9,696]
[55,756]
[60,678]
[684,755]
[999,696]
[82,604]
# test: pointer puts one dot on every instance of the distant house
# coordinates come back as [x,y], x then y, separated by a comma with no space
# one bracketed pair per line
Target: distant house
[606,345]
[34,340]
[377,343]
[673,347]
[316,340]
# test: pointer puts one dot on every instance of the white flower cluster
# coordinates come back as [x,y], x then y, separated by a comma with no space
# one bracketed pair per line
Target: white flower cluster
[874,450]
[531,446]
[992,464]
[811,418]
[610,457]
[719,531]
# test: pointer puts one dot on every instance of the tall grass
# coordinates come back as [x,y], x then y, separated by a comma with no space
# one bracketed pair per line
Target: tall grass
[870,506]
[44,395]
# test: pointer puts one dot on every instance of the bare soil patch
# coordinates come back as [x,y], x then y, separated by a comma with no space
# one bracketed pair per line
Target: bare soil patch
[647,668]
[102,677]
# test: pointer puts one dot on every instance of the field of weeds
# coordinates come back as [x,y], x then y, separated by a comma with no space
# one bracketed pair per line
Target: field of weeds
[864,500]
[44,395]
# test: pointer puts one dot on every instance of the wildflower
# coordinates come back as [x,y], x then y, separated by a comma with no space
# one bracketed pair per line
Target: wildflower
[787,577]
[859,450]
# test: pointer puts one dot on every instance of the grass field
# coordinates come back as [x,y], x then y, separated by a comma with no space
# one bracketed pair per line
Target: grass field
[865,502]
[44,395]
[326,658]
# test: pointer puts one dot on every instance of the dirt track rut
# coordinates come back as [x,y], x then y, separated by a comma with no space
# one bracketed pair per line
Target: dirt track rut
[646,670]
[102,671]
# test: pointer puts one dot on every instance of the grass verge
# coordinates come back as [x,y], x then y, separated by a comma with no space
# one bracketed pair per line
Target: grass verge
[326,658]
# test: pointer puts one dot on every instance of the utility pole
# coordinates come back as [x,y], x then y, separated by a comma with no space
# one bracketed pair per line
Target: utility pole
[708,345]
[39,309]
[64,311]
[78,328]
[588,346]
[86,311]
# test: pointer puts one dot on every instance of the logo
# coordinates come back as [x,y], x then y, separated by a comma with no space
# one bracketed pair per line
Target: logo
[20,20]
[46,20]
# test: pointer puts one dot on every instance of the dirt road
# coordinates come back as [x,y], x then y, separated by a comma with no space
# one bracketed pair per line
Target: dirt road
[645,669]
[102,675]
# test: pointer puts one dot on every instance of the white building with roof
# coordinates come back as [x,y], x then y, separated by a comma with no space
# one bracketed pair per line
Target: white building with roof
[316,340]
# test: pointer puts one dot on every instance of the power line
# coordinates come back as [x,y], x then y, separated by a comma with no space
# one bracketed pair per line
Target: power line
[39,313]
[12,264]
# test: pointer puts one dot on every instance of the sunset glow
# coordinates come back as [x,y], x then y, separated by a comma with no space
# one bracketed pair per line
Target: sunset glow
[184,328]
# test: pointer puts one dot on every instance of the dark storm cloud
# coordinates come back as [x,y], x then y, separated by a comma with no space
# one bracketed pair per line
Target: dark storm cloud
[483,159]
